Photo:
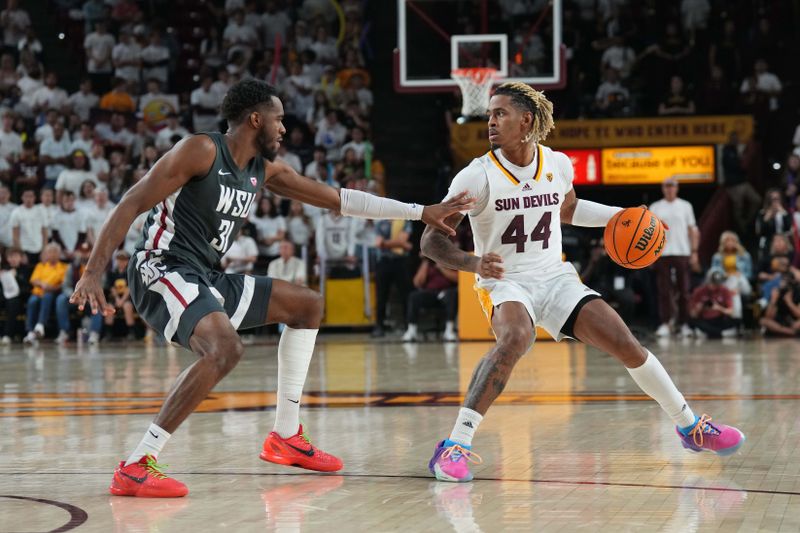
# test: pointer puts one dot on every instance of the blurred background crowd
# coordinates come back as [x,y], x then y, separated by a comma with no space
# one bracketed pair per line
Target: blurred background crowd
[93,92]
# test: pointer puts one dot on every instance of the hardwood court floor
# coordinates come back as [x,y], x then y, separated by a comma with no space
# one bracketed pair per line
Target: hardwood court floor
[572,445]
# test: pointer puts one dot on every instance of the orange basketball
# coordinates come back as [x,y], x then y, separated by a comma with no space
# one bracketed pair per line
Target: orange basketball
[634,238]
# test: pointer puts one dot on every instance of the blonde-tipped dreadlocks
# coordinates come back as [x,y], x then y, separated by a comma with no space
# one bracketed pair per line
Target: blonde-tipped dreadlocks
[526,98]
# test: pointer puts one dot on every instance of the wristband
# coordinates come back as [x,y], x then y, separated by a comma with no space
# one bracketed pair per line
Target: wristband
[355,203]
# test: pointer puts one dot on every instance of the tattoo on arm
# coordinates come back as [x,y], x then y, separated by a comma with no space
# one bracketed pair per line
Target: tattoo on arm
[438,246]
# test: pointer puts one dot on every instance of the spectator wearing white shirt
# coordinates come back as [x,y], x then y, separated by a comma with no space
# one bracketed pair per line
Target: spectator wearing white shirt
[84,100]
[357,143]
[312,169]
[28,229]
[166,136]
[98,164]
[96,215]
[612,97]
[324,46]
[155,59]
[299,91]
[8,72]
[67,227]
[275,23]
[252,17]
[30,43]
[205,105]
[47,206]
[311,68]
[299,226]
[50,96]
[336,245]
[270,228]
[233,5]
[331,134]
[238,36]
[54,153]
[45,131]
[83,139]
[287,267]
[619,57]
[241,256]
[290,158]
[763,82]
[695,14]
[302,40]
[127,58]
[72,178]
[357,86]
[212,50]
[28,84]
[15,23]
[10,140]
[114,133]
[99,46]
[84,200]
[6,208]
[134,234]
[222,84]
[679,254]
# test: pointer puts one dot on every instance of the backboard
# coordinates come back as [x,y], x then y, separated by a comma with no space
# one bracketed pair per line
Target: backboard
[519,38]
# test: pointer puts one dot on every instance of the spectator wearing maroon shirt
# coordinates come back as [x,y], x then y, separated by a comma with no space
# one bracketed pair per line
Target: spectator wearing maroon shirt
[711,308]
[434,287]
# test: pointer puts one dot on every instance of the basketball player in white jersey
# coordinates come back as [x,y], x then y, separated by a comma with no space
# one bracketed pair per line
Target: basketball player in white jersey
[524,193]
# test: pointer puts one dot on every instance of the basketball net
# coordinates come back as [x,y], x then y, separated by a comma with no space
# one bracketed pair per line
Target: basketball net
[476,87]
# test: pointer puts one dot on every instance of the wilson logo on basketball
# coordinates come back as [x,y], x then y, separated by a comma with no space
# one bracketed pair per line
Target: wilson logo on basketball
[647,234]
[626,223]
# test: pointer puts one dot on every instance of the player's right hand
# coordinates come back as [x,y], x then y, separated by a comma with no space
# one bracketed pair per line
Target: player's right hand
[90,289]
[491,266]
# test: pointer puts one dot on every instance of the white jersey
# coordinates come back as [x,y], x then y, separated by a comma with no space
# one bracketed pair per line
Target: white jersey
[518,211]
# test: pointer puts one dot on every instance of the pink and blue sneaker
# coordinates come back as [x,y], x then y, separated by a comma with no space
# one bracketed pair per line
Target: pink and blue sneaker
[450,462]
[705,436]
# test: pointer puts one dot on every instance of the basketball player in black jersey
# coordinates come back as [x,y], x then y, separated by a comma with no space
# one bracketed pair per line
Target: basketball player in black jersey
[199,194]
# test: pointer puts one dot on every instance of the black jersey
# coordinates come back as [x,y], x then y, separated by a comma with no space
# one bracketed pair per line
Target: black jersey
[198,223]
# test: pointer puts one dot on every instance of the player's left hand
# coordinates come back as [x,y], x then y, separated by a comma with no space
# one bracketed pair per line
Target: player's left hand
[435,215]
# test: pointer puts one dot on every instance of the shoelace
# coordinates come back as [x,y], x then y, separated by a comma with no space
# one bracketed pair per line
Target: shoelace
[456,452]
[154,468]
[703,426]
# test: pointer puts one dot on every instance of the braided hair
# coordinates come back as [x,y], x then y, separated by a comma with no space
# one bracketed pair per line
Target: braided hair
[527,99]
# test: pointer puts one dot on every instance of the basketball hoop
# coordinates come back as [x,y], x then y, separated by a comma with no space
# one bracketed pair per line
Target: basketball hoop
[476,86]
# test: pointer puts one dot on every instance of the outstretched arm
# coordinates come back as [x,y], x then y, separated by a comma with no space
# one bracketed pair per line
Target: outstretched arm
[283,180]
[437,246]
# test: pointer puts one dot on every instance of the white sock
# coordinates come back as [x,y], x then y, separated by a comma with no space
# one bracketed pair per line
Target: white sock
[656,383]
[412,329]
[294,355]
[152,443]
[466,426]
[448,327]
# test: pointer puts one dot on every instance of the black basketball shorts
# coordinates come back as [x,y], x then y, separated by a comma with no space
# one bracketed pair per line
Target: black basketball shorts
[172,297]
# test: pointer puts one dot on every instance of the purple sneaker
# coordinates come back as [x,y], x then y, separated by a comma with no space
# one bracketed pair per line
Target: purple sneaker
[717,438]
[451,463]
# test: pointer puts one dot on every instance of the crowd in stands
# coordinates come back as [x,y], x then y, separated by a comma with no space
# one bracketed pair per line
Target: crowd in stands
[148,81]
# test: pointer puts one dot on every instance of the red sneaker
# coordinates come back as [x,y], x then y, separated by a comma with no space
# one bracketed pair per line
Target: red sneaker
[298,451]
[145,479]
